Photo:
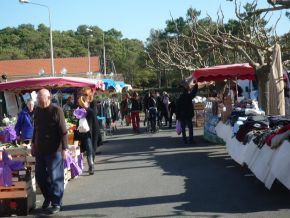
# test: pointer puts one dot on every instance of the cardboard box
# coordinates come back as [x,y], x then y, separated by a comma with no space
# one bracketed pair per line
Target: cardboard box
[199,106]
[21,175]
[18,199]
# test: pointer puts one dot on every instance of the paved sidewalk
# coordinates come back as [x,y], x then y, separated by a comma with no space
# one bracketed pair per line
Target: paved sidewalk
[156,175]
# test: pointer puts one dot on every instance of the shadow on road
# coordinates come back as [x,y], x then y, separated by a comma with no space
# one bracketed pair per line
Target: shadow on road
[213,182]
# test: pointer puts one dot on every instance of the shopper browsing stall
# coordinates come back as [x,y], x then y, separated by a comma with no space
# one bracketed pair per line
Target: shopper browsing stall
[87,131]
[185,111]
[88,94]
[135,110]
[24,124]
[125,109]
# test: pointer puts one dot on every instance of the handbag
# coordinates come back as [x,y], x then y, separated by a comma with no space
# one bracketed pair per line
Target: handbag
[178,127]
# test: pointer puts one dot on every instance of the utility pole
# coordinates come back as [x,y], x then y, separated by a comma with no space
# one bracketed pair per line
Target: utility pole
[104,55]
[89,53]
[50,33]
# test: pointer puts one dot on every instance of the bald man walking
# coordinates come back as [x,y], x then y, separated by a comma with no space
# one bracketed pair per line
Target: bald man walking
[49,144]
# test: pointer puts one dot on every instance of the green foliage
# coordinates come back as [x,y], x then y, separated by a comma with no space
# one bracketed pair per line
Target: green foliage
[128,55]
[285,46]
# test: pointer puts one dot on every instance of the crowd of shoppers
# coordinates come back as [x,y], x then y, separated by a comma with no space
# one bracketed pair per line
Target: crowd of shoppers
[45,127]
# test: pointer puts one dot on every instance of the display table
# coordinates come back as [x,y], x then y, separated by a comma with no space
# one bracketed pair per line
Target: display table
[209,132]
[211,119]
[265,163]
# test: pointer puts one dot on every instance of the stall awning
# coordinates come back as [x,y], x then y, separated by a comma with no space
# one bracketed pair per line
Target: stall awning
[109,83]
[49,83]
[120,83]
[222,72]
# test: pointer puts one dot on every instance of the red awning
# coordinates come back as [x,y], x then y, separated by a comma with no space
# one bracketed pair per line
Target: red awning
[50,83]
[222,72]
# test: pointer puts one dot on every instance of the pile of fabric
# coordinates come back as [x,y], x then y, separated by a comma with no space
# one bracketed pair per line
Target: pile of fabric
[260,142]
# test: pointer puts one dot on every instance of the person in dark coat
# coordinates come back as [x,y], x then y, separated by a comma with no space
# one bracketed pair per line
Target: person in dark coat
[49,146]
[152,110]
[172,110]
[160,108]
[125,110]
[135,110]
[88,93]
[89,140]
[185,111]
[145,107]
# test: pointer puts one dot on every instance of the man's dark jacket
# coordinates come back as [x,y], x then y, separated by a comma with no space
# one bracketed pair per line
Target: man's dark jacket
[184,105]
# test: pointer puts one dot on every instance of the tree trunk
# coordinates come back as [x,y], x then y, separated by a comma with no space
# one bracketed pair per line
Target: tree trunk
[181,74]
[159,79]
[262,74]
[165,78]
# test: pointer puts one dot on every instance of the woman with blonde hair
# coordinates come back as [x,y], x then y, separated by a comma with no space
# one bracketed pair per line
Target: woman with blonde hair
[88,139]
[88,93]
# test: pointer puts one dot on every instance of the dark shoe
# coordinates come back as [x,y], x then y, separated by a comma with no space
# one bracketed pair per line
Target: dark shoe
[45,204]
[98,152]
[55,209]
[91,170]
[90,164]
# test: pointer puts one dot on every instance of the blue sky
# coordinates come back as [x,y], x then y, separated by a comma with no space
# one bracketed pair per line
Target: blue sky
[134,18]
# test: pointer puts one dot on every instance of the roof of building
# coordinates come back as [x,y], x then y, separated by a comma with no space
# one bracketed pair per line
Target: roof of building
[32,67]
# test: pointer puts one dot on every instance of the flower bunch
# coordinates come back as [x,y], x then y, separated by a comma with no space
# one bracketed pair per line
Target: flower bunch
[9,121]
[8,134]
[80,113]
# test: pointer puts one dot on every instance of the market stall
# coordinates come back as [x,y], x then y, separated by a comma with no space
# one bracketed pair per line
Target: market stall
[12,89]
[215,107]
[22,152]
[252,139]
[50,83]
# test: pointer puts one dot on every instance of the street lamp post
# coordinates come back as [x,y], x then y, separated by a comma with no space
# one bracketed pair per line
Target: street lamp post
[51,44]
[104,55]
[89,53]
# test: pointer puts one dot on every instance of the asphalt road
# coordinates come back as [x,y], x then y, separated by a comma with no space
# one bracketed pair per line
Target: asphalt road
[156,175]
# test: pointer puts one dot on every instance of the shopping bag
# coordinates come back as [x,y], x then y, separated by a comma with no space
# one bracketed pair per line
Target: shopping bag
[178,127]
[83,125]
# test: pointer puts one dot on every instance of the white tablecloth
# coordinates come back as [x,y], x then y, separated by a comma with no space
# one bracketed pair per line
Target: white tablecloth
[266,164]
